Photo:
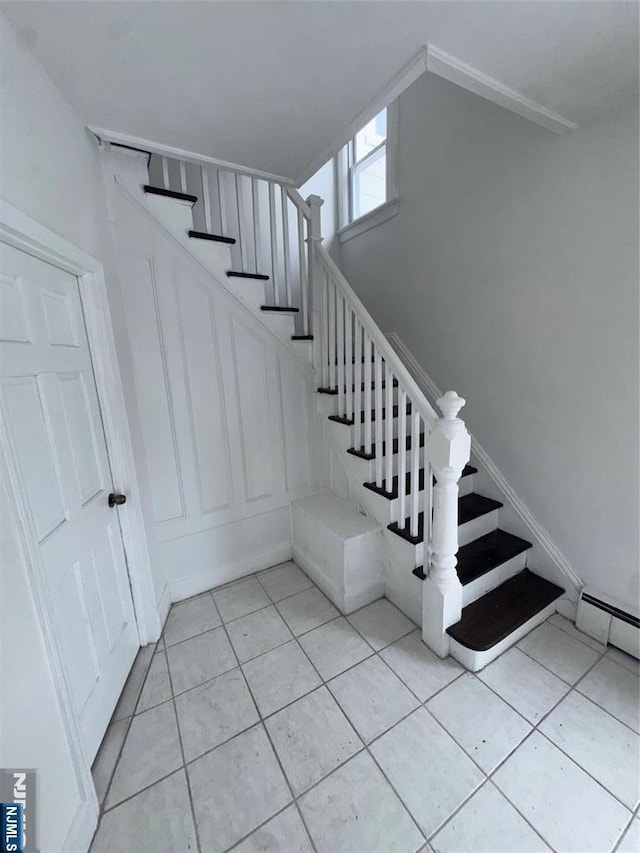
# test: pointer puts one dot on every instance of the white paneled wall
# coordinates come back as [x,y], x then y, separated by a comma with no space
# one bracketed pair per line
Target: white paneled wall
[225,412]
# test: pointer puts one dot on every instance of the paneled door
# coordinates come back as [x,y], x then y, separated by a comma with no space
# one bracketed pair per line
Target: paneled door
[58,458]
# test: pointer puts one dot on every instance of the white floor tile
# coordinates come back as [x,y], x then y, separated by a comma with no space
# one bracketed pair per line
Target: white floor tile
[524,684]
[630,842]
[157,688]
[355,810]
[108,755]
[616,689]
[285,833]
[624,659]
[569,628]
[235,788]
[372,697]
[312,737]
[487,823]
[569,810]
[190,618]
[240,598]
[599,743]
[484,726]
[307,610]
[334,647]
[279,677]
[283,581]
[429,771]
[131,690]
[421,670]
[157,820]
[199,659]
[215,711]
[381,623]
[258,633]
[151,751]
[565,656]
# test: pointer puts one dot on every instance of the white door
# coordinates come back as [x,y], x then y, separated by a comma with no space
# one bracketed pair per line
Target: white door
[57,452]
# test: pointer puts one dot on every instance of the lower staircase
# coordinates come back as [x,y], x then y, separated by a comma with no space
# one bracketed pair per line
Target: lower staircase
[408,468]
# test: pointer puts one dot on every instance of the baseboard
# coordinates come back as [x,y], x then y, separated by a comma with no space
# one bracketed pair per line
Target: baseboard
[538,533]
[202,581]
[84,825]
[608,621]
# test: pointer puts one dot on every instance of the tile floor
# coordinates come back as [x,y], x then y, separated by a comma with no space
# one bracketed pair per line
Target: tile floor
[265,721]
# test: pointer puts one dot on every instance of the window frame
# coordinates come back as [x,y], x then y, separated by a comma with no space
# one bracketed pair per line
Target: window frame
[351,226]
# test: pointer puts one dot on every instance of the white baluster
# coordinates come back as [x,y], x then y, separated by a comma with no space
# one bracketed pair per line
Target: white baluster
[326,346]
[206,198]
[242,243]
[367,394]
[333,352]
[388,422]
[341,365]
[378,420]
[286,243]
[357,413]
[448,448]
[165,172]
[348,346]
[402,460]
[314,239]
[274,243]
[222,204]
[414,467]
[183,176]
[303,274]
[255,210]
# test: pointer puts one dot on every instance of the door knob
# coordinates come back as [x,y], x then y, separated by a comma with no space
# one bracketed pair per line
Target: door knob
[117,500]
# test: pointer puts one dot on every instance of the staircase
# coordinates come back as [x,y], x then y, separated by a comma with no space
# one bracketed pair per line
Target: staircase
[407,466]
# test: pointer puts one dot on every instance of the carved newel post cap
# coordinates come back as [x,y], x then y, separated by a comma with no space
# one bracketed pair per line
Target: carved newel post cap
[450,405]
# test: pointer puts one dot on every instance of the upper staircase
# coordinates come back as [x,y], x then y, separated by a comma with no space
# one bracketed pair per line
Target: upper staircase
[407,467]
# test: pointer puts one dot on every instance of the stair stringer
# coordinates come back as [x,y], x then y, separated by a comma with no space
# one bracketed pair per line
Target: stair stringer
[129,179]
[401,586]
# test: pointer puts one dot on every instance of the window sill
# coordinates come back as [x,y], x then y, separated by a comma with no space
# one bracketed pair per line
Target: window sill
[369,220]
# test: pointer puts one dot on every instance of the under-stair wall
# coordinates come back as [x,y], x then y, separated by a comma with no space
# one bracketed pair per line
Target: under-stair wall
[225,408]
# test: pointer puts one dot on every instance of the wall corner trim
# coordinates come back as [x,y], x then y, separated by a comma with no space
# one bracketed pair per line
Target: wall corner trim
[538,532]
[458,72]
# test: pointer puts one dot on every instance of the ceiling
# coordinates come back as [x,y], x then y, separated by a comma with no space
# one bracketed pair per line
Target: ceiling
[271,85]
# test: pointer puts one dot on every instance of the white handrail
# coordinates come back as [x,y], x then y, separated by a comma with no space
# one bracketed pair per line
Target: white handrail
[383,347]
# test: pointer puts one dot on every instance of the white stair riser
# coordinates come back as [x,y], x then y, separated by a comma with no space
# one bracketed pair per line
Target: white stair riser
[465,485]
[304,350]
[176,214]
[475,661]
[282,325]
[477,588]
[251,293]
[477,527]
[215,256]
[409,555]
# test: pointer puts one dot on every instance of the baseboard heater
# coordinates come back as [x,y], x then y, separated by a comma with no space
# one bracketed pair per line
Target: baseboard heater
[609,623]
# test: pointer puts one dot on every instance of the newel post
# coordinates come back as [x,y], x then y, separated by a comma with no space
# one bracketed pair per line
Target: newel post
[448,449]
[314,238]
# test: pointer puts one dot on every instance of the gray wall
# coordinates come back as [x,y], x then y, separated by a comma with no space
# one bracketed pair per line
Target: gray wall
[511,272]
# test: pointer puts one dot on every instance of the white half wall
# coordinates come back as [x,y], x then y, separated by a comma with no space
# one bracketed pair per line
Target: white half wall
[226,410]
[511,272]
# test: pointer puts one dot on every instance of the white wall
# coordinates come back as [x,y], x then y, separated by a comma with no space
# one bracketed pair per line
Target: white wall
[324,184]
[511,272]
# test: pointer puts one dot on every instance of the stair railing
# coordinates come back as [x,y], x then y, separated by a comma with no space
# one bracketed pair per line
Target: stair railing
[359,365]
[269,221]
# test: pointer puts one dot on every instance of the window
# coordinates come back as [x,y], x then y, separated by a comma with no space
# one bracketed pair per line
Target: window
[367,171]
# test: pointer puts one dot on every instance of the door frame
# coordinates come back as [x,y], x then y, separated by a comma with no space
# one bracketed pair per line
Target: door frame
[24,233]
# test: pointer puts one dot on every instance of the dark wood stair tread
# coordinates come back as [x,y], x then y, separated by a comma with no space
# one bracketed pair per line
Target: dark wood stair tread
[355,451]
[334,390]
[492,618]
[487,552]
[301,337]
[192,199]
[279,309]
[393,494]
[236,274]
[214,238]
[469,507]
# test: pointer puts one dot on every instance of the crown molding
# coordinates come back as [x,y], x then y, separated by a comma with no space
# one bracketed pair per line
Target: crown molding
[148,145]
[452,69]
[408,74]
